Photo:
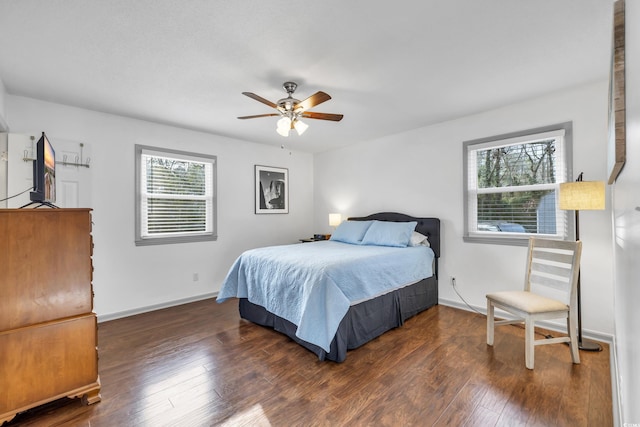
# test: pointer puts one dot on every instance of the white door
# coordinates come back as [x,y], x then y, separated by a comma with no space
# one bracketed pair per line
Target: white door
[73,177]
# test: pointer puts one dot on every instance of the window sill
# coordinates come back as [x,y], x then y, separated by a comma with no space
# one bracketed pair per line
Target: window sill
[511,240]
[170,240]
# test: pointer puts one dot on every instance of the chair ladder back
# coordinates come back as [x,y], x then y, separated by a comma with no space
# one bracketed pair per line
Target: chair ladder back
[553,264]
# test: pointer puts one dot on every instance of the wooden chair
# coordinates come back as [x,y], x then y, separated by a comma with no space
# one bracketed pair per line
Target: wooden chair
[552,268]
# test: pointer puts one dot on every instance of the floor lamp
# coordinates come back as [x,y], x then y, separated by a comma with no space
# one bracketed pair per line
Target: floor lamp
[579,196]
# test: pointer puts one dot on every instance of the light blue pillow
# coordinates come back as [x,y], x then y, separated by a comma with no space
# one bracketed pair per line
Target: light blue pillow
[351,231]
[387,233]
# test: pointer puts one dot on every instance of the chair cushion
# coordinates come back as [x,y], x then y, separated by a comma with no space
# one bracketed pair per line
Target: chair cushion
[527,301]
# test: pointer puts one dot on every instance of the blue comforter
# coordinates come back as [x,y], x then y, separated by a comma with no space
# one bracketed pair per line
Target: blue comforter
[312,285]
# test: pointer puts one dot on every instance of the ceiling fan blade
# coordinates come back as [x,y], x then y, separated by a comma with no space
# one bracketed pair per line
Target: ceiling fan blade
[315,99]
[259,115]
[322,116]
[260,99]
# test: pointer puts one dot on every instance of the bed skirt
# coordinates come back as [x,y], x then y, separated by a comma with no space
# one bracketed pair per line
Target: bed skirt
[362,323]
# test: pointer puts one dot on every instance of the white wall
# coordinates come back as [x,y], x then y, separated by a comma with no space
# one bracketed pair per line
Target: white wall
[129,278]
[3,113]
[420,173]
[626,219]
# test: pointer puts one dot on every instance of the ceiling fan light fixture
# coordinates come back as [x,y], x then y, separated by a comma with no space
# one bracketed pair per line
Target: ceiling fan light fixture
[300,126]
[283,132]
[283,126]
[290,110]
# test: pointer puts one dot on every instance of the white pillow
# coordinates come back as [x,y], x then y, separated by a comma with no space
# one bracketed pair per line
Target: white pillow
[418,239]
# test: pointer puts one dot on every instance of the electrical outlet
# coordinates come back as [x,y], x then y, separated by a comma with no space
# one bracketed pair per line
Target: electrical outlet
[195,277]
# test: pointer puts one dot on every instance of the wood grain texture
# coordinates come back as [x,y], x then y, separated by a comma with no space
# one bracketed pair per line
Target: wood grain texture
[51,359]
[199,364]
[617,93]
[48,338]
[45,264]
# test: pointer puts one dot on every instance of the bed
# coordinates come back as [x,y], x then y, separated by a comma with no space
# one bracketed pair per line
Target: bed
[315,307]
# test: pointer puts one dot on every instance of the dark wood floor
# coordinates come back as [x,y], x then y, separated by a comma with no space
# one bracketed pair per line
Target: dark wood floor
[199,364]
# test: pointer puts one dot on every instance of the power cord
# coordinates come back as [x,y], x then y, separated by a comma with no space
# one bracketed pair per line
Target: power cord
[547,336]
[16,195]
[453,284]
[455,289]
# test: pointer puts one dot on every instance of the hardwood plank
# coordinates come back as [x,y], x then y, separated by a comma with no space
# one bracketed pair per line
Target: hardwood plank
[199,364]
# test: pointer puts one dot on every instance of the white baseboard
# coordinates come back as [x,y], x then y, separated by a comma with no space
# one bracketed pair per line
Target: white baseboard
[148,308]
[615,395]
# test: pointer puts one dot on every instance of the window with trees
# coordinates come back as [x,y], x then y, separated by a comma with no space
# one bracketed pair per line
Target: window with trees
[175,196]
[511,185]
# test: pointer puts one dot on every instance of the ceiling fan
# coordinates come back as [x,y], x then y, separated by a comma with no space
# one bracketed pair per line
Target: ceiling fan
[291,110]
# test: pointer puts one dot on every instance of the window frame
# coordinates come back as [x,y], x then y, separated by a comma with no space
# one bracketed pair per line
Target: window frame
[518,239]
[211,235]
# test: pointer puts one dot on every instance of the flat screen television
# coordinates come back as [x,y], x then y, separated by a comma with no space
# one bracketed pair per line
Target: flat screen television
[44,173]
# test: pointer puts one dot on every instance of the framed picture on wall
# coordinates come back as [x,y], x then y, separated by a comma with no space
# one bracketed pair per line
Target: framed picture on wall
[617,146]
[272,190]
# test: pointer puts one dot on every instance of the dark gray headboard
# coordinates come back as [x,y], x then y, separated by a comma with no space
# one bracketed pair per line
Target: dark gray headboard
[430,227]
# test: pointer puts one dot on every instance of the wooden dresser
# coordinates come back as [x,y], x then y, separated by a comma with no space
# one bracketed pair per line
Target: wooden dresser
[48,337]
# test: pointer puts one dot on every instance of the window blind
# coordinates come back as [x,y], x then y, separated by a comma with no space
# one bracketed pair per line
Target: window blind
[512,185]
[175,195]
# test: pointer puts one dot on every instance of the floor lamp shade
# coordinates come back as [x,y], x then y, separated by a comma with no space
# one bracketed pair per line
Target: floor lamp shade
[582,196]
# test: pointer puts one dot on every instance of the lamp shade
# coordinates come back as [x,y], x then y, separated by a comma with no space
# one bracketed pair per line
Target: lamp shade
[300,127]
[283,126]
[582,195]
[335,219]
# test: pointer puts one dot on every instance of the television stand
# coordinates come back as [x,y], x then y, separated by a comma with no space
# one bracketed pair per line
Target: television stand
[51,205]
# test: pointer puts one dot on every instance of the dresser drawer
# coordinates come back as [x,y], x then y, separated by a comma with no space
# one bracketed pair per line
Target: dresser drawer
[45,266]
[45,362]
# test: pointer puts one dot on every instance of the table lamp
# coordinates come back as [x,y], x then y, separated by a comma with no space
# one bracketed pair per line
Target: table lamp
[335,219]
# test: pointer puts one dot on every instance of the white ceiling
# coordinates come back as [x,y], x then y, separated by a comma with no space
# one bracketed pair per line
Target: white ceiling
[390,66]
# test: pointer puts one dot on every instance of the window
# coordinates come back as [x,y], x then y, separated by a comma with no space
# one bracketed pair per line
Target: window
[175,196]
[511,184]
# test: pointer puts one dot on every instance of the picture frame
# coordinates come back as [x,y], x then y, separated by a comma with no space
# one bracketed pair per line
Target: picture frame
[616,146]
[271,190]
